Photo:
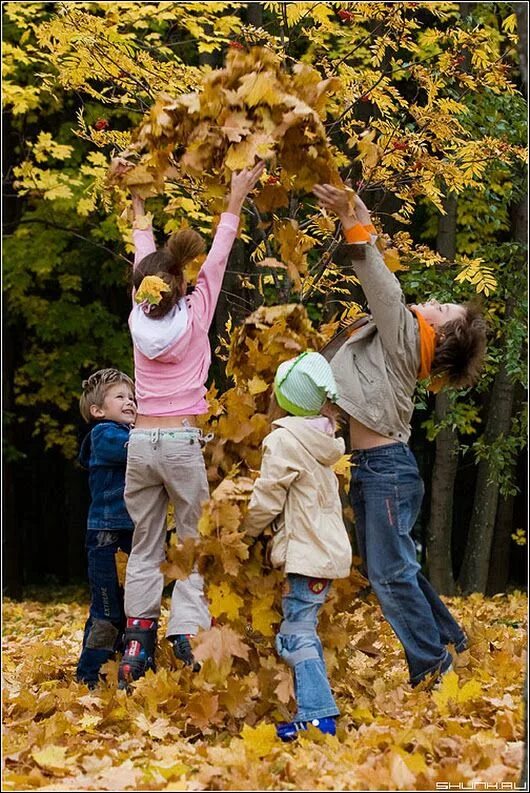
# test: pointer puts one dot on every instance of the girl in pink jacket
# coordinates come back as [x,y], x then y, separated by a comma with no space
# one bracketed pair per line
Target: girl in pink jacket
[172,356]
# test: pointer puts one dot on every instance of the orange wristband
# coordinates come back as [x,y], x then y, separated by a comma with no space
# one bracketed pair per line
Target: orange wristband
[370,228]
[356,234]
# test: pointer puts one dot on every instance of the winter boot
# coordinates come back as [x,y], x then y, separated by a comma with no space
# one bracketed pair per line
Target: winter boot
[288,731]
[139,654]
[182,650]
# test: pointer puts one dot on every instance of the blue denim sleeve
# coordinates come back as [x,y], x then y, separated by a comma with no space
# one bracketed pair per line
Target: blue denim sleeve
[109,444]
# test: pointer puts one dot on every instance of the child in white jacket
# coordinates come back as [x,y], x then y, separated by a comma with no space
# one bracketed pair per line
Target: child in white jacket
[298,491]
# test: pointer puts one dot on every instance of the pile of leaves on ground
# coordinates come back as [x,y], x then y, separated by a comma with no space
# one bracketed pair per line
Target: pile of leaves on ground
[210,731]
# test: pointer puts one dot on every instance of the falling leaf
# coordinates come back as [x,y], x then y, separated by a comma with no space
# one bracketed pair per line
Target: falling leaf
[224,601]
[219,643]
[121,559]
[264,617]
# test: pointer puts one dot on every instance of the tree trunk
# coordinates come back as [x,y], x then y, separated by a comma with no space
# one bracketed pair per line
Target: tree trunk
[254,14]
[439,559]
[521,10]
[439,533]
[499,571]
[474,572]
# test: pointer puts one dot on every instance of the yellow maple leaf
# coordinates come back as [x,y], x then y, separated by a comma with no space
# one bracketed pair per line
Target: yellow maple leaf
[151,289]
[257,385]
[223,600]
[219,643]
[343,465]
[449,691]
[260,740]
[264,616]
[259,87]
[121,559]
[369,152]
[52,758]
[391,259]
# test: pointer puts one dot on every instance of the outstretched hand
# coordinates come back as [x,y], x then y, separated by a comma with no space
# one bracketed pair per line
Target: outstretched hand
[335,199]
[241,185]
[340,201]
[120,165]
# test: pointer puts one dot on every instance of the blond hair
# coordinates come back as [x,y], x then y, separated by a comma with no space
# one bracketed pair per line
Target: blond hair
[95,389]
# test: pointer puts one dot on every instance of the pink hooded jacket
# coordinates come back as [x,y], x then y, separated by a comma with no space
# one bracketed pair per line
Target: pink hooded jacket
[172,355]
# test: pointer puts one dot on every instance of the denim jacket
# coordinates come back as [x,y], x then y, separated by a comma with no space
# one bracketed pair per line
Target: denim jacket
[104,453]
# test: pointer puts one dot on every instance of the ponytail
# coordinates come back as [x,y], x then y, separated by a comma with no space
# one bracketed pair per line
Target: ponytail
[168,264]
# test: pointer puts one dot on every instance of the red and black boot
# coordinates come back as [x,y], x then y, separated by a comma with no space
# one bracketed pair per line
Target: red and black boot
[139,641]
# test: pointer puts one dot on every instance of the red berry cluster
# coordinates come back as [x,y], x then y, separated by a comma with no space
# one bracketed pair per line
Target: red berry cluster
[272,179]
[101,124]
[235,45]
[346,16]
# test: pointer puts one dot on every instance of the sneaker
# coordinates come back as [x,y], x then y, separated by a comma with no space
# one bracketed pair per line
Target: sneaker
[183,652]
[288,731]
[139,641]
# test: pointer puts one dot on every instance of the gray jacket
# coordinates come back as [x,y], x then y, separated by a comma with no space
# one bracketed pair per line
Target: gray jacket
[377,368]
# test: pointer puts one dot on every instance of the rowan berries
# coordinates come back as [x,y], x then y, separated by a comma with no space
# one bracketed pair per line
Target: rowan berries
[101,124]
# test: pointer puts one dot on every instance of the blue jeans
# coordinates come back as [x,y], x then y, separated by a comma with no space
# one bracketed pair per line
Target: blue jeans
[106,620]
[298,644]
[386,494]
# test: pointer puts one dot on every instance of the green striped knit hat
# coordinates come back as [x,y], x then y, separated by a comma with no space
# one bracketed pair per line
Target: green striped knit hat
[303,384]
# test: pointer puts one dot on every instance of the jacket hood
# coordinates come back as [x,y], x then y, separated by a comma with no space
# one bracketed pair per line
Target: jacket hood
[84,451]
[154,337]
[325,448]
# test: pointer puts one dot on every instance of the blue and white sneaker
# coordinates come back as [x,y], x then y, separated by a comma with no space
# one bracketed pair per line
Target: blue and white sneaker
[288,730]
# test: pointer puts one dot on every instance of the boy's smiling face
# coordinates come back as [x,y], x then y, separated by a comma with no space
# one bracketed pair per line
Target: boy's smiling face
[119,405]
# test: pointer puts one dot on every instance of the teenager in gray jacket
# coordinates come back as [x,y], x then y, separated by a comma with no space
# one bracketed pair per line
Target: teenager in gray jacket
[376,371]
[297,491]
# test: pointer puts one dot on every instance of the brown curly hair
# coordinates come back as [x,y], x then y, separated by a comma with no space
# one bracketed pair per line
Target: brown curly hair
[460,348]
[168,264]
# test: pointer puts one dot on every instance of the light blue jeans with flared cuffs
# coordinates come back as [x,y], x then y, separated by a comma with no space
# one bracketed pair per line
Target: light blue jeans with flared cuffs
[298,644]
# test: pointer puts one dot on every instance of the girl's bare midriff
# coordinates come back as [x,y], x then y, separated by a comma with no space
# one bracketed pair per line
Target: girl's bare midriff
[154,422]
[361,437]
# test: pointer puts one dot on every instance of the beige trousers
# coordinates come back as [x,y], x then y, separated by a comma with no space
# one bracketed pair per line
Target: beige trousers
[163,466]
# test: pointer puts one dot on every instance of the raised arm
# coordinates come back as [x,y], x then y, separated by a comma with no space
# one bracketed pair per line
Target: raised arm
[380,286]
[144,241]
[210,278]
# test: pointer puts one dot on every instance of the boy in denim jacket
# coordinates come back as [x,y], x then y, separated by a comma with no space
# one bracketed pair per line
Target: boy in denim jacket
[108,403]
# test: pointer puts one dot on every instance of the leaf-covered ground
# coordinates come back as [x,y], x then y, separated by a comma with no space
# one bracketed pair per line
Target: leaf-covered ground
[210,731]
